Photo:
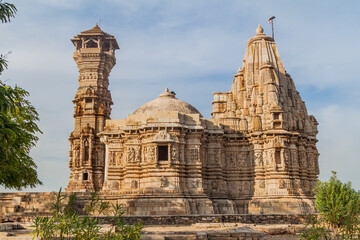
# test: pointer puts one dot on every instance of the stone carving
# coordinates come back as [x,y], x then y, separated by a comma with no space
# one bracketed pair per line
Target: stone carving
[258,159]
[131,155]
[270,158]
[151,154]
[76,155]
[282,184]
[174,153]
[164,182]
[134,184]
[195,183]
[137,155]
[261,183]
[118,158]
[278,142]
[163,136]
[232,161]
[181,154]
[114,185]
[302,159]
[193,155]
[112,161]
[311,160]
[287,157]
[243,159]
[294,158]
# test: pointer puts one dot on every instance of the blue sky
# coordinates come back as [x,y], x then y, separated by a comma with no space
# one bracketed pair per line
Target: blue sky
[194,48]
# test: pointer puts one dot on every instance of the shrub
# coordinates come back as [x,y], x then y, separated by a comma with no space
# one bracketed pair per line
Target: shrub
[65,222]
[338,207]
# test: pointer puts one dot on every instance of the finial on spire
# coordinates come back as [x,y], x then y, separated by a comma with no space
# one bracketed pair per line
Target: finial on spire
[259,30]
[167,93]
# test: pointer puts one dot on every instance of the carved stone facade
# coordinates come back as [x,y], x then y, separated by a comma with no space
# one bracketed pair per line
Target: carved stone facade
[95,57]
[257,155]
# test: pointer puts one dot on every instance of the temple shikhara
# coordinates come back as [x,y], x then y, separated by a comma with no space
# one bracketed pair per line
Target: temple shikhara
[256,155]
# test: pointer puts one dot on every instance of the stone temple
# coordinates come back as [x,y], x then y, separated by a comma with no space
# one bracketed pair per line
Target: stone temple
[256,155]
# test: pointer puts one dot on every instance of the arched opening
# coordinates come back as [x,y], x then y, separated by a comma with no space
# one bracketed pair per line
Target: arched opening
[91,44]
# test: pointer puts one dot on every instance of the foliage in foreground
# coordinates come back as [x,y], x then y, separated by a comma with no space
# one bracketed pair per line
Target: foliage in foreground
[338,207]
[17,127]
[65,221]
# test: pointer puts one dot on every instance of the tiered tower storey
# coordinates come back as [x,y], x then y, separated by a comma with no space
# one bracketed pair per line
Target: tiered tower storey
[95,57]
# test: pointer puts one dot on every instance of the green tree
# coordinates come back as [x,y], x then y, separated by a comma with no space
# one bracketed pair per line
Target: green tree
[338,207]
[17,127]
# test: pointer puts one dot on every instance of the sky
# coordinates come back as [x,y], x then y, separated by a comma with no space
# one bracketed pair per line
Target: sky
[194,48]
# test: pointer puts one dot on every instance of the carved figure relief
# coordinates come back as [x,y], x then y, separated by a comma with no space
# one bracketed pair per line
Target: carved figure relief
[311,160]
[112,158]
[118,158]
[137,155]
[131,155]
[270,159]
[151,154]
[218,156]
[101,109]
[76,155]
[114,185]
[258,159]
[261,183]
[231,158]
[282,184]
[78,109]
[286,156]
[302,159]
[134,184]
[243,159]
[195,183]
[164,182]
[214,185]
[294,158]
[174,153]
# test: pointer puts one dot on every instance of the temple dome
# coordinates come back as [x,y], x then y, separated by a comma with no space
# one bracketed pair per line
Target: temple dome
[167,102]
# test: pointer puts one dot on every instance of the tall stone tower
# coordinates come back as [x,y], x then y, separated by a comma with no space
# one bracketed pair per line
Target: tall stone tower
[95,57]
[265,107]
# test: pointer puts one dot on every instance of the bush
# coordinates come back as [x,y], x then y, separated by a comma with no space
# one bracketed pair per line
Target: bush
[65,222]
[338,207]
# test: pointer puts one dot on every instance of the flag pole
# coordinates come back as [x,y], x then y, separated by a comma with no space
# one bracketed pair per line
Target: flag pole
[271,19]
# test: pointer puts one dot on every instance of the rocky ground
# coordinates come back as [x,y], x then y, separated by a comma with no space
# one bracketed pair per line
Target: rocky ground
[195,231]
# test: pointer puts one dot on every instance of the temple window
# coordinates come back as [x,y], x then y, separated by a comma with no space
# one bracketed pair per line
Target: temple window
[86,151]
[85,176]
[163,153]
[276,116]
[277,157]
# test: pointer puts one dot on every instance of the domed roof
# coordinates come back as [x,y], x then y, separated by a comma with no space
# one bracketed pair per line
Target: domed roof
[167,102]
